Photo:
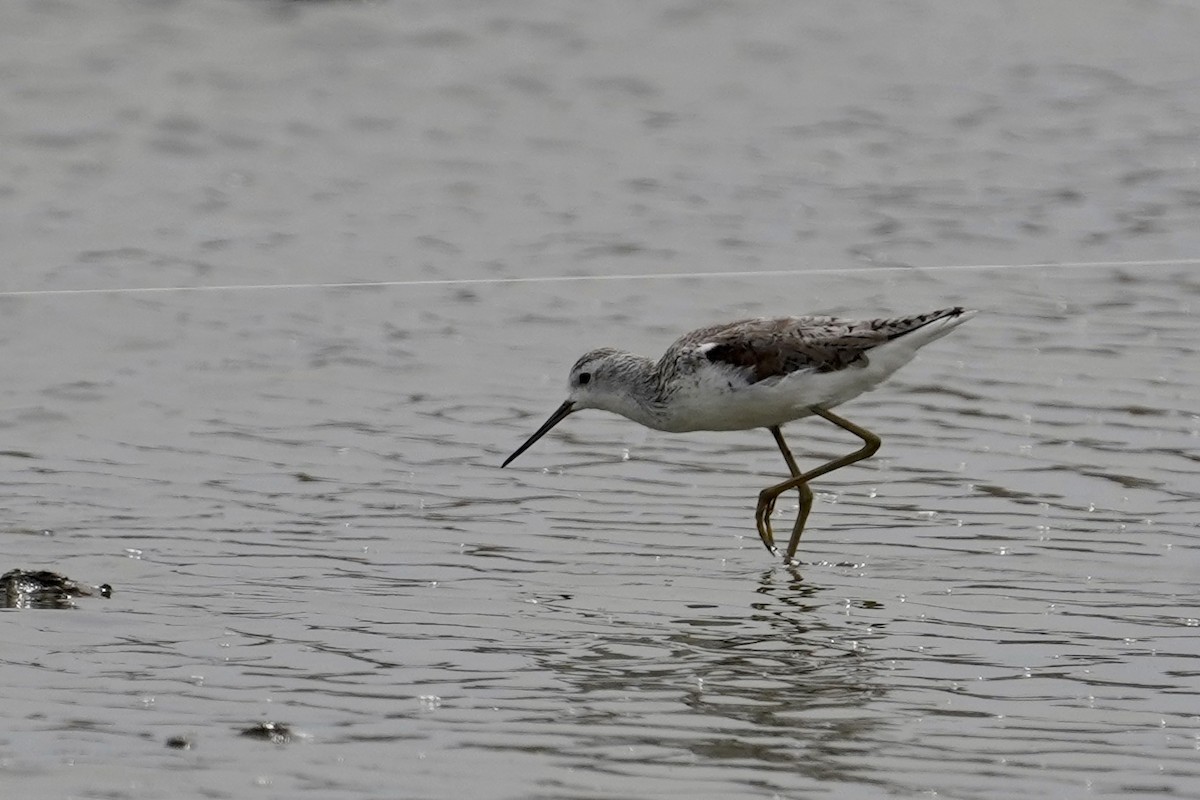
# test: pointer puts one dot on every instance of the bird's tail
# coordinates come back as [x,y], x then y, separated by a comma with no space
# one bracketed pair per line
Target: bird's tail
[927,327]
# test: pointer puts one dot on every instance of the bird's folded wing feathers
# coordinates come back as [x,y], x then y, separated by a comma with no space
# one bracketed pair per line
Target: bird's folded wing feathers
[774,348]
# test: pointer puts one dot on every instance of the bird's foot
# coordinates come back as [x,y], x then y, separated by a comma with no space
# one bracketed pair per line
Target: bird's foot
[762,520]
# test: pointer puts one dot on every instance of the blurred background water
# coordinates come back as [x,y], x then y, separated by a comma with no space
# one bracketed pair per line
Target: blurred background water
[294,491]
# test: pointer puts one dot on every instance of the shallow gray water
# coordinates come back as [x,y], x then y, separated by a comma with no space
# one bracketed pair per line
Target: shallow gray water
[295,495]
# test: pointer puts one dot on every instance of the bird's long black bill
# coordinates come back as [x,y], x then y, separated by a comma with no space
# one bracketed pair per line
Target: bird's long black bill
[558,416]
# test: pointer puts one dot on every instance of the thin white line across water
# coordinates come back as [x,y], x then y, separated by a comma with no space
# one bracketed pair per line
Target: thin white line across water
[248,287]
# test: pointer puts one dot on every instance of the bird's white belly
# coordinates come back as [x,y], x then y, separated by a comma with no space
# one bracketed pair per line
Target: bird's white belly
[715,402]
[761,405]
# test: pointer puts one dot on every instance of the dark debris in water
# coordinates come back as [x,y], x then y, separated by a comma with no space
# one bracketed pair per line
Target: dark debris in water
[274,732]
[179,743]
[45,589]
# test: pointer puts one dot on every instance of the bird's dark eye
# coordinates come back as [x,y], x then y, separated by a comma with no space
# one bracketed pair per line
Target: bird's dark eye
[584,378]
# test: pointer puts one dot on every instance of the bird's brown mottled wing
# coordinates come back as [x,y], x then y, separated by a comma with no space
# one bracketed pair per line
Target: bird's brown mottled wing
[766,348]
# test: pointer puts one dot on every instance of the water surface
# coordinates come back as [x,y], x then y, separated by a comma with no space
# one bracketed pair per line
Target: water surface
[295,493]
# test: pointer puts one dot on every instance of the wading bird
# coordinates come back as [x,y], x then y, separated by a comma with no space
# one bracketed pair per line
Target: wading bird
[755,373]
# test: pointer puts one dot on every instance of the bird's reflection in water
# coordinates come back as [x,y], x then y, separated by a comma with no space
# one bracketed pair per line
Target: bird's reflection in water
[782,683]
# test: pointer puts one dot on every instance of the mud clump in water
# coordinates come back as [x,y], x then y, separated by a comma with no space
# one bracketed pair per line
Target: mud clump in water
[44,589]
[275,732]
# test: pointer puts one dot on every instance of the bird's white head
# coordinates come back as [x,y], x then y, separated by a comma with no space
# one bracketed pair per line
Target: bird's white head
[595,379]
[608,379]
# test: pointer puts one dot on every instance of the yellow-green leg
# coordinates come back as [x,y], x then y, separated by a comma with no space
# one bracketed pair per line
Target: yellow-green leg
[768,496]
[806,495]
